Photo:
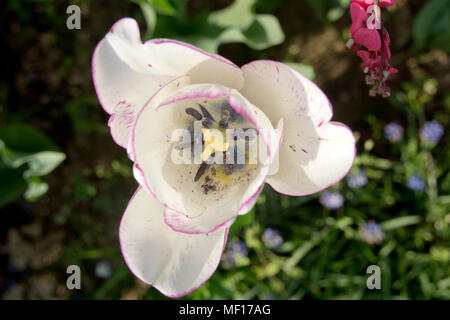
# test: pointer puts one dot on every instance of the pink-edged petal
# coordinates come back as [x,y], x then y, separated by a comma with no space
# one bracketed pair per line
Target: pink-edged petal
[314,161]
[283,93]
[200,66]
[122,122]
[122,78]
[315,153]
[120,69]
[126,72]
[249,204]
[174,263]
[162,93]
[179,222]
[199,210]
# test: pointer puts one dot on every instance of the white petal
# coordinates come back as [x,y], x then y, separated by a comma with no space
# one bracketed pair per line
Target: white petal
[200,66]
[174,263]
[193,210]
[315,153]
[120,68]
[248,205]
[126,72]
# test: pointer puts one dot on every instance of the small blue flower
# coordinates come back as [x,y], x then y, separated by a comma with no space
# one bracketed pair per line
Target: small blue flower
[272,238]
[393,132]
[9,284]
[358,179]
[416,182]
[371,232]
[432,131]
[236,250]
[332,199]
[103,269]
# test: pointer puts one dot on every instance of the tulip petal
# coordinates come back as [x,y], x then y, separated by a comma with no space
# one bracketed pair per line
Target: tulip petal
[120,68]
[315,153]
[199,65]
[197,206]
[174,263]
[126,72]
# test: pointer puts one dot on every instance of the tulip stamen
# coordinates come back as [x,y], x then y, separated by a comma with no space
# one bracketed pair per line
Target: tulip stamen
[208,119]
[201,171]
[194,113]
[223,123]
[206,113]
[212,144]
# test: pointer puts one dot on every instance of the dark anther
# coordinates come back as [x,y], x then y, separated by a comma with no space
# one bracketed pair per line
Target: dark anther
[206,113]
[194,113]
[207,123]
[223,123]
[201,170]
[228,163]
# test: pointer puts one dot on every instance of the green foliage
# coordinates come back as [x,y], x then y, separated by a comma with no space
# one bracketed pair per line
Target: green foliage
[25,139]
[208,30]
[304,69]
[432,25]
[13,184]
[26,154]
[329,10]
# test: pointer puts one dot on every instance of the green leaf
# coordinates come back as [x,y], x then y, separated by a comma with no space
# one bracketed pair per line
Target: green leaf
[36,189]
[241,222]
[299,254]
[165,7]
[399,222]
[231,35]
[304,69]
[264,32]
[12,184]
[24,138]
[149,14]
[432,25]
[237,15]
[41,163]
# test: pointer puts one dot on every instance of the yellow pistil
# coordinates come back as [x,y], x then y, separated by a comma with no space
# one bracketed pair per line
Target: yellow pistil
[222,177]
[211,144]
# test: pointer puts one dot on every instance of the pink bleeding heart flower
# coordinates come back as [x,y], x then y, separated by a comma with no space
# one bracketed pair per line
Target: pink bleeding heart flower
[370,59]
[175,227]
[361,34]
[381,3]
[376,59]
[386,44]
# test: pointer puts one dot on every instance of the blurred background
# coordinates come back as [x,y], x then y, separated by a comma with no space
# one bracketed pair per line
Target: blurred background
[64,184]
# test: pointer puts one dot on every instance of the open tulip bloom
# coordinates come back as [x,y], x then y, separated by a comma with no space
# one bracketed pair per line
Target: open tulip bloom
[191,122]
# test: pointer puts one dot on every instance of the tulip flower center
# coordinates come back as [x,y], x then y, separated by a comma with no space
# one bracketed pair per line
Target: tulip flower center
[225,142]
